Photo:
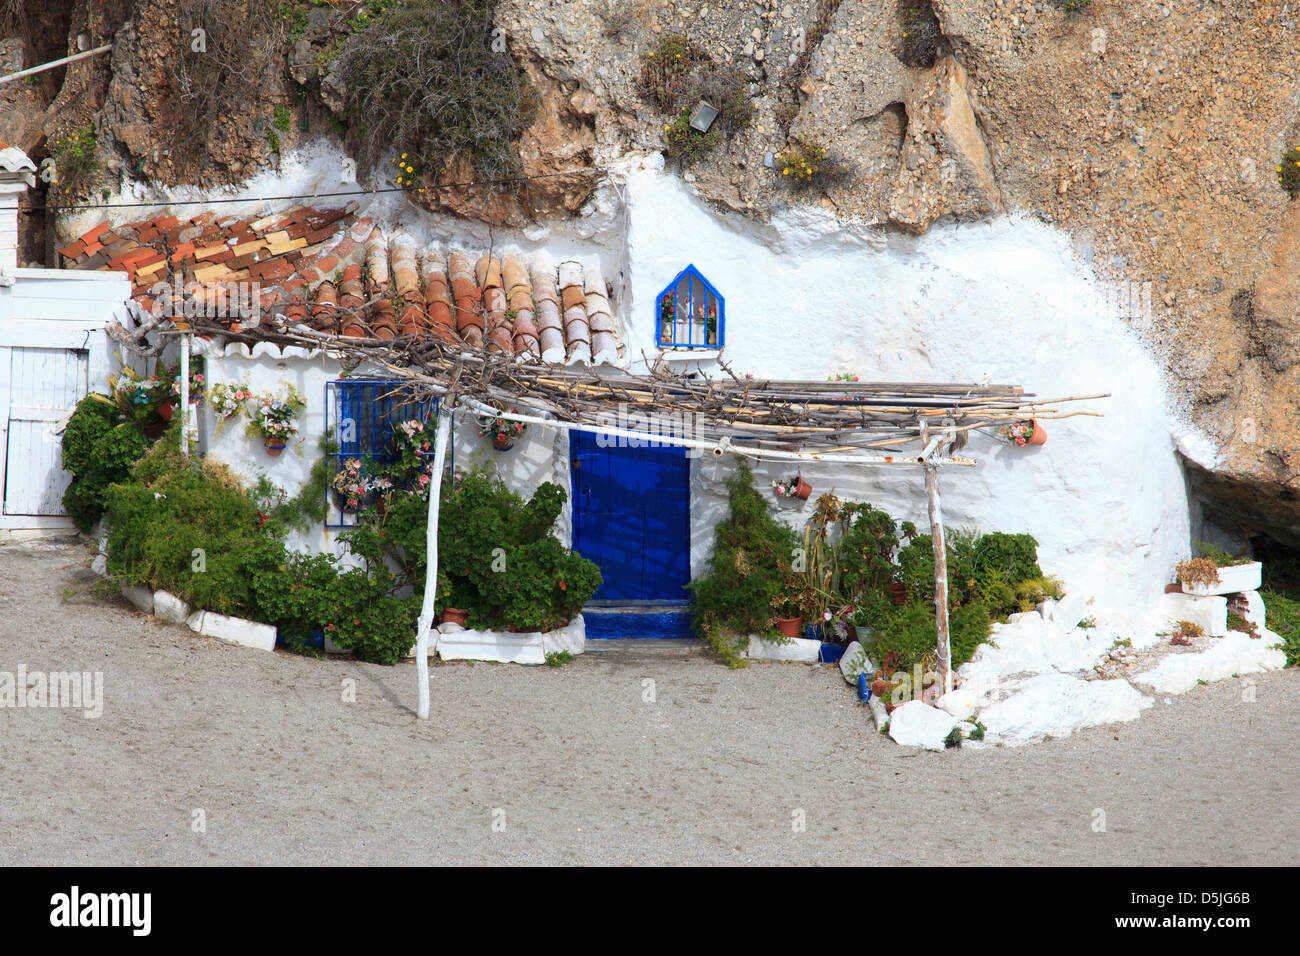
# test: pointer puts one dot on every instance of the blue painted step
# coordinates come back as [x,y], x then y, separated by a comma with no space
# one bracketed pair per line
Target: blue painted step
[649,621]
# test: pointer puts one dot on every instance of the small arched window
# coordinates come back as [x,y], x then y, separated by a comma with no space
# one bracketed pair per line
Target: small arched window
[690,313]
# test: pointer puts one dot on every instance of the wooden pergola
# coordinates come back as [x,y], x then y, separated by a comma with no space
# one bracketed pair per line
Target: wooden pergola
[851,423]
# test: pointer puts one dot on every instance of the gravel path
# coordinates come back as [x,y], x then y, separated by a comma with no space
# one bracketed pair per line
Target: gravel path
[574,765]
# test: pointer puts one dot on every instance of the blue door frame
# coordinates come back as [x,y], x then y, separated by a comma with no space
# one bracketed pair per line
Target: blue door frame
[631,515]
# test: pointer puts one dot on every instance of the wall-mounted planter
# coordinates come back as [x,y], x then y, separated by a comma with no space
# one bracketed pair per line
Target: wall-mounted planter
[453,642]
[1239,577]
[502,443]
[274,446]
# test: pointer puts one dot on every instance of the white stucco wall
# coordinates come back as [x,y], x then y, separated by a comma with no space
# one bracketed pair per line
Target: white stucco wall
[540,455]
[1007,302]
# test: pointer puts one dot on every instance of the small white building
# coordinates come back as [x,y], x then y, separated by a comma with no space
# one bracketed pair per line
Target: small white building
[53,350]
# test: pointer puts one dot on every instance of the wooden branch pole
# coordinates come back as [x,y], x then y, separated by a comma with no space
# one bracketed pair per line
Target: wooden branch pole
[185,394]
[431,572]
[944,646]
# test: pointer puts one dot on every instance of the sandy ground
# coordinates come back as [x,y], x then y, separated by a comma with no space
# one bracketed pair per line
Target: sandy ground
[574,765]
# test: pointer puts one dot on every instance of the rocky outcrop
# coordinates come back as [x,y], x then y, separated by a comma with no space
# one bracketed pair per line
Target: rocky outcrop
[945,167]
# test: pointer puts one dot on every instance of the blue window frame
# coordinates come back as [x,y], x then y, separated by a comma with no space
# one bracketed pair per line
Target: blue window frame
[360,415]
[689,313]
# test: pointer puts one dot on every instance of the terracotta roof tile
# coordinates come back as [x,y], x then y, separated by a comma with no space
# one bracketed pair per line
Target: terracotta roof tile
[511,304]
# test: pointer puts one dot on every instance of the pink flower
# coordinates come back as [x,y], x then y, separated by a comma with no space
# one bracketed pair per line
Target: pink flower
[826,615]
[424,480]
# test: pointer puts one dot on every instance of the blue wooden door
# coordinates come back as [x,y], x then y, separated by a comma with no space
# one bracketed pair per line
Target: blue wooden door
[631,515]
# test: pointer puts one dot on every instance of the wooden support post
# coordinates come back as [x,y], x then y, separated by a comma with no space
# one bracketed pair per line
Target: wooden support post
[431,572]
[185,394]
[944,647]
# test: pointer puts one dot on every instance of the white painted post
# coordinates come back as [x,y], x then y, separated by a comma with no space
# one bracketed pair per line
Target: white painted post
[940,575]
[431,572]
[185,394]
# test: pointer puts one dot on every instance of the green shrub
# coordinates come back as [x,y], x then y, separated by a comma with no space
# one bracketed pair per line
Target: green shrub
[906,636]
[866,552]
[98,449]
[751,551]
[985,569]
[922,34]
[187,526]
[1221,558]
[678,75]
[1031,593]
[1282,616]
[432,77]
[502,560]
[806,164]
[1288,172]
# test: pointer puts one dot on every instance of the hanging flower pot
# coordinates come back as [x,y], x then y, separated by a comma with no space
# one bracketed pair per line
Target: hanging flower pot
[502,442]
[794,487]
[274,446]
[453,615]
[165,411]
[1023,433]
[790,626]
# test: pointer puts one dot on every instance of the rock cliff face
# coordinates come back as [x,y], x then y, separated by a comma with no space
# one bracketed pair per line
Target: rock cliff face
[1148,130]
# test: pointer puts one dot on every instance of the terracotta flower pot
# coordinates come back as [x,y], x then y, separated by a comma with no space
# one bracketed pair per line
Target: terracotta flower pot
[802,490]
[502,442]
[897,593]
[165,411]
[274,446]
[1039,434]
[790,626]
[453,615]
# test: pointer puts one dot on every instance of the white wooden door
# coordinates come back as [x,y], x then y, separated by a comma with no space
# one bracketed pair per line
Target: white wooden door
[44,386]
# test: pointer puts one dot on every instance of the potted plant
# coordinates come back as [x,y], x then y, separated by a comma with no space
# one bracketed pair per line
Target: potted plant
[795,601]
[228,400]
[1216,571]
[350,486]
[196,386]
[145,401]
[667,312]
[502,432]
[274,419]
[411,445]
[709,314]
[1030,432]
[794,487]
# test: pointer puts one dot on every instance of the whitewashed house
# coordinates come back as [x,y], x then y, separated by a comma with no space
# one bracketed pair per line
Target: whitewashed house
[53,350]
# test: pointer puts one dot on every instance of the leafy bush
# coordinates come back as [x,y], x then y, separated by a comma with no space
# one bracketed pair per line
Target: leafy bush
[906,636]
[502,560]
[1220,557]
[678,75]
[922,34]
[981,568]
[751,552]
[805,164]
[433,78]
[186,525]
[98,449]
[1282,616]
[1288,172]
[74,158]
[1031,593]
